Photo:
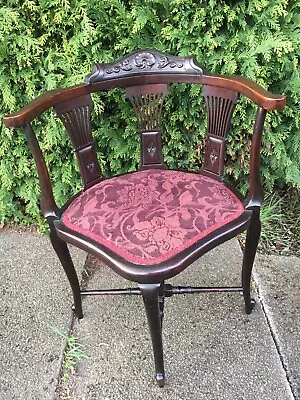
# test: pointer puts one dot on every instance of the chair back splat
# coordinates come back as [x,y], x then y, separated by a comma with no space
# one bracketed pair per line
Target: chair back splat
[76,117]
[147,101]
[220,105]
[151,224]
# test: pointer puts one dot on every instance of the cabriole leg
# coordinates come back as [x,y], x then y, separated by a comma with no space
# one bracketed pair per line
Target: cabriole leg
[252,239]
[150,293]
[63,253]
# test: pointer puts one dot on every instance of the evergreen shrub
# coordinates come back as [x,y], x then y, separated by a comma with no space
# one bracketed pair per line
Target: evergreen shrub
[47,44]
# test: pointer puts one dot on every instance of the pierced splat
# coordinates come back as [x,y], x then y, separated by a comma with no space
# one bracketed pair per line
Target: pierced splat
[147,101]
[220,104]
[75,116]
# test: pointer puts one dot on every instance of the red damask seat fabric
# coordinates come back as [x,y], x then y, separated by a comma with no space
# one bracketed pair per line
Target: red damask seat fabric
[148,216]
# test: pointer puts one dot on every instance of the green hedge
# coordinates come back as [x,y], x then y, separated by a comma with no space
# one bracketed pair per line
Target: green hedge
[47,44]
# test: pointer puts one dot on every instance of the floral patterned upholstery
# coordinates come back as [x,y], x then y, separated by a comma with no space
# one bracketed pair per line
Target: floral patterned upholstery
[148,216]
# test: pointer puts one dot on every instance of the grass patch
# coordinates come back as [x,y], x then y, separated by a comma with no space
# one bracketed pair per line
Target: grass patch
[74,352]
[280,218]
[280,224]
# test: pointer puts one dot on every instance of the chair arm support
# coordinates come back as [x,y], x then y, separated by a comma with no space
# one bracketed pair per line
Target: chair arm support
[256,194]
[48,205]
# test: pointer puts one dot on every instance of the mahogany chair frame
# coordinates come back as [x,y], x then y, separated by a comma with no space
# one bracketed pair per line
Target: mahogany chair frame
[141,73]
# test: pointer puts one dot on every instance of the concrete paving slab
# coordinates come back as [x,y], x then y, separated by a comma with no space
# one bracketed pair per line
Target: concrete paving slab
[279,288]
[212,349]
[35,297]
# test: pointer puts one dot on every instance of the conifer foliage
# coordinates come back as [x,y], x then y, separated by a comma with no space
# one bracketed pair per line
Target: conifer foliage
[47,44]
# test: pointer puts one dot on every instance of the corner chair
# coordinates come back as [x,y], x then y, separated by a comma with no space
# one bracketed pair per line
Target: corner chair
[151,224]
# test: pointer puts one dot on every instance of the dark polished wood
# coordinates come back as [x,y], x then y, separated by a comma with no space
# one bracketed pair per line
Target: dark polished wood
[239,84]
[150,293]
[168,290]
[147,101]
[48,205]
[75,114]
[255,196]
[145,75]
[155,272]
[253,234]
[220,105]
[64,256]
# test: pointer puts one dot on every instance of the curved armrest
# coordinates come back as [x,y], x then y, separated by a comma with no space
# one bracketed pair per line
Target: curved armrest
[241,84]
[249,88]
[40,104]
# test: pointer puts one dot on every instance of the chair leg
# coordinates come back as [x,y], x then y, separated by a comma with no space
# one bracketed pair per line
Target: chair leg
[161,302]
[150,294]
[64,256]
[252,239]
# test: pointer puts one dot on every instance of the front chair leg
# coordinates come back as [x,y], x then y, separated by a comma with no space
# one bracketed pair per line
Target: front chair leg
[252,239]
[64,256]
[150,293]
[161,302]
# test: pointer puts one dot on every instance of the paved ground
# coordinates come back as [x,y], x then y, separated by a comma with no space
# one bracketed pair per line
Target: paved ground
[279,286]
[212,349]
[35,297]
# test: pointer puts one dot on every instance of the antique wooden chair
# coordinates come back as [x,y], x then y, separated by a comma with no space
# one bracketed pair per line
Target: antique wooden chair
[151,224]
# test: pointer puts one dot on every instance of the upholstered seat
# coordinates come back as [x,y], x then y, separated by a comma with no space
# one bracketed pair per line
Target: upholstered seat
[149,216]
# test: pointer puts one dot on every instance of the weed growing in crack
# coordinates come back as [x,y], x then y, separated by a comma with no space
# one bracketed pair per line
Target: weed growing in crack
[74,352]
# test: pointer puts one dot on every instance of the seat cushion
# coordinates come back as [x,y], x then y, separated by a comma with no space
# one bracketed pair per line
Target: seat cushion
[149,216]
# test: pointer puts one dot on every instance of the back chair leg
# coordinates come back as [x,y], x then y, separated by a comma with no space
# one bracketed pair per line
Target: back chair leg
[64,256]
[252,239]
[150,294]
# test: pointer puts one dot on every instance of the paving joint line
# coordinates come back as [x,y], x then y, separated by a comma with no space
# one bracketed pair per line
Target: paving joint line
[84,278]
[59,385]
[276,341]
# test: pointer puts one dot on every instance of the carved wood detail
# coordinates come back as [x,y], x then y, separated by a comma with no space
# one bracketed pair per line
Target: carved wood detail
[220,105]
[76,118]
[143,62]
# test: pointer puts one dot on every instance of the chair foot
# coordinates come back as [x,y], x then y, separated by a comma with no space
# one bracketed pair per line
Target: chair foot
[78,313]
[160,379]
[249,306]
